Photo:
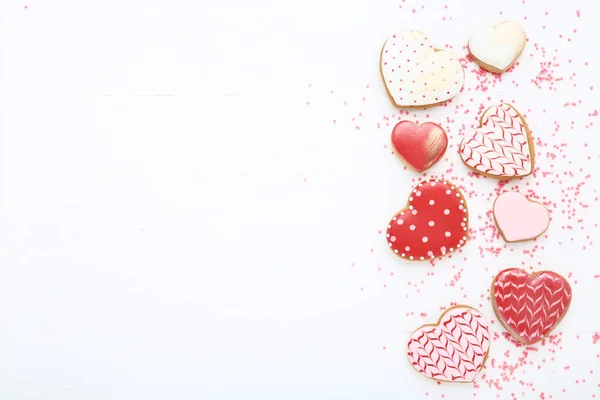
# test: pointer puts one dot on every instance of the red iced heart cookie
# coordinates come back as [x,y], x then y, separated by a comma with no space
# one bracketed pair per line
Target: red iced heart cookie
[434,222]
[453,350]
[419,146]
[501,147]
[530,306]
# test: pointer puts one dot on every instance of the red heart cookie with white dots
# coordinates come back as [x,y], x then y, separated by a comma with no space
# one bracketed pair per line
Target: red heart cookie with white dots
[434,222]
[419,146]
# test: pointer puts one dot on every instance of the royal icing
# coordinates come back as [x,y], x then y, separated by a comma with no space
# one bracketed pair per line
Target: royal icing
[497,47]
[454,349]
[420,146]
[501,146]
[530,306]
[417,74]
[433,223]
[518,218]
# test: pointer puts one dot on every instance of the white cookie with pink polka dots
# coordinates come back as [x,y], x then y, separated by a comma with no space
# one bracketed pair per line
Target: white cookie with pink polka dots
[416,74]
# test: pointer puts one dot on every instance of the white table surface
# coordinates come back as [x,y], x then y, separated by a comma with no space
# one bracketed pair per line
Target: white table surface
[181,217]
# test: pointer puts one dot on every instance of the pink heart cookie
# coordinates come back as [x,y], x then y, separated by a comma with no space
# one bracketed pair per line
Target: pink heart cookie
[452,350]
[519,219]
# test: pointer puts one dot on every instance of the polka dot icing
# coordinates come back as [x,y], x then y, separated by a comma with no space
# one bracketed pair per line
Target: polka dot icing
[437,229]
[416,74]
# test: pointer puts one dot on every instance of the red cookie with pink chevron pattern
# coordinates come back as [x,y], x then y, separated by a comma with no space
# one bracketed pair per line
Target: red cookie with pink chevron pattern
[501,147]
[530,306]
[433,223]
[452,350]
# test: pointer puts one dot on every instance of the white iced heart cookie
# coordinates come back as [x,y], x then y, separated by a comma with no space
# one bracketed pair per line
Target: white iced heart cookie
[416,74]
[496,48]
[501,147]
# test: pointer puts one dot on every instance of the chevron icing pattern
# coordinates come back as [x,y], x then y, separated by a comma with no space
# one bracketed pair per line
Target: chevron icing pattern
[530,306]
[501,146]
[454,349]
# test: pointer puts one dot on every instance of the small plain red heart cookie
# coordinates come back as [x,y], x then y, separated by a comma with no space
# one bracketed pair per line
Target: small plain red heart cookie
[530,306]
[433,223]
[419,146]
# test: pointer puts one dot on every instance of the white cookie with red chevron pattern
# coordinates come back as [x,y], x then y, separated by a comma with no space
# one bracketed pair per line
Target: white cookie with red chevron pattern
[501,147]
[530,306]
[452,350]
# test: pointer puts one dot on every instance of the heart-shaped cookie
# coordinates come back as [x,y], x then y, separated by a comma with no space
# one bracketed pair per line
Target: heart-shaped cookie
[416,74]
[501,147]
[454,349]
[519,219]
[433,223]
[419,146]
[530,306]
[496,48]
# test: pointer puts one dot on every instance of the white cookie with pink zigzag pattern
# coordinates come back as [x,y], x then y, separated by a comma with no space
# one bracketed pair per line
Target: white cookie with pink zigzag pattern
[452,350]
[501,147]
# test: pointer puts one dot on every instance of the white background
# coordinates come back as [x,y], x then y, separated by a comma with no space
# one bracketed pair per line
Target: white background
[178,223]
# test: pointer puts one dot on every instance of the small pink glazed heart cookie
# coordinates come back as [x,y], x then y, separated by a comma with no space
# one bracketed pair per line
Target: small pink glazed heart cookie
[530,306]
[497,48]
[518,218]
[416,74]
[419,146]
[501,147]
[433,223]
[452,350]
